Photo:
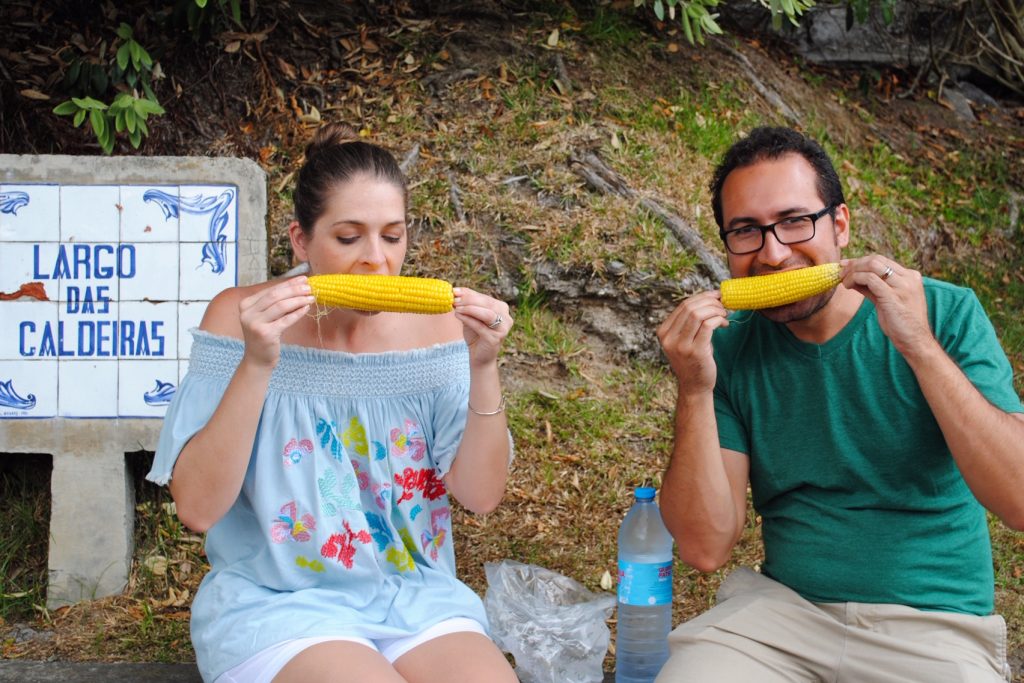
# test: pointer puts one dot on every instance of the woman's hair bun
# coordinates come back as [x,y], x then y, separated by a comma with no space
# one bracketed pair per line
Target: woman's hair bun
[330,135]
[335,156]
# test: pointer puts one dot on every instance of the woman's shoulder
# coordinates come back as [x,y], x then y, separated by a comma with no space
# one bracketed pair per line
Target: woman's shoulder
[222,316]
[431,330]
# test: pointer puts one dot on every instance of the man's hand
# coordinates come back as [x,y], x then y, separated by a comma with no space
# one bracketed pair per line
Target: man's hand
[686,338]
[898,295]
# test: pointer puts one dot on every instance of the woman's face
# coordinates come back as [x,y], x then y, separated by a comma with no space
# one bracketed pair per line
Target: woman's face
[362,230]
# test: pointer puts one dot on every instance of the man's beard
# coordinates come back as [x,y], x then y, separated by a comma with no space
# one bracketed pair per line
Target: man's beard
[800,310]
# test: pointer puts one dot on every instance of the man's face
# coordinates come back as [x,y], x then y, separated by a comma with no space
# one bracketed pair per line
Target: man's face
[769,191]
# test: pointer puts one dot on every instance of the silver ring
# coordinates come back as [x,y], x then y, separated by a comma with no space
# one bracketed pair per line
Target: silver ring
[497,321]
[887,273]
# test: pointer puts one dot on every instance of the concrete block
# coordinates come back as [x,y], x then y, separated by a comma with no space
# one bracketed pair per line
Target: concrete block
[91,526]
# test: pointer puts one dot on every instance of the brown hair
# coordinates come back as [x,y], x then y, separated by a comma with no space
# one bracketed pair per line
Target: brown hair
[334,157]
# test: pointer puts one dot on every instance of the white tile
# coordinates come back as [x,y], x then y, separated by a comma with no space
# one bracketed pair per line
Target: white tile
[182,370]
[91,272]
[87,388]
[28,329]
[29,213]
[87,295]
[149,213]
[28,388]
[155,276]
[90,213]
[209,213]
[84,335]
[190,314]
[145,387]
[148,330]
[22,263]
[199,279]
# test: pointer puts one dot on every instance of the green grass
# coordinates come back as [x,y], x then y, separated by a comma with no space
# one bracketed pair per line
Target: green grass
[1008,562]
[610,28]
[964,193]
[24,535]
[539,332]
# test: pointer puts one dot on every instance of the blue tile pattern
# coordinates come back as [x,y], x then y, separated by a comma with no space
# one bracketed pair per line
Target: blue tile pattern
[75,347]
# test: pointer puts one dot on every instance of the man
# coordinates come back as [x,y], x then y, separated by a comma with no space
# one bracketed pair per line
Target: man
[874,424]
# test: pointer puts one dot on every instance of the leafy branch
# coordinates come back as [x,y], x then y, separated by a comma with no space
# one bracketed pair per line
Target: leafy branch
[130,73]
[133,68]
[697,19]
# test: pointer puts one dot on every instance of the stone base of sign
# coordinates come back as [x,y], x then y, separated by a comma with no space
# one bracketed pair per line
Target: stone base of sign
[92,511]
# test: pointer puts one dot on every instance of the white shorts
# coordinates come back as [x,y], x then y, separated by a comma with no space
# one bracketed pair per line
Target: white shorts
[264,665]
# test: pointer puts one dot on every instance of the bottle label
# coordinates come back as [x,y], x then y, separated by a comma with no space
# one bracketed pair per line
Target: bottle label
[645,584]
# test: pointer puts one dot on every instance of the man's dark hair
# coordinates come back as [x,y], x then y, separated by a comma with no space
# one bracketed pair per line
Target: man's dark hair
[764,144]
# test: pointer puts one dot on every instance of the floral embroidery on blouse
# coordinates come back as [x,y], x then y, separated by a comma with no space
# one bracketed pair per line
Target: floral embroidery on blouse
[408,441]
[433,538]
[295,450]
[335,497]
[341,547]
[289,525]
[313,565]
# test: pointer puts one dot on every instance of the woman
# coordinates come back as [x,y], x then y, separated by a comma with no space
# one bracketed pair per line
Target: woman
[316,450]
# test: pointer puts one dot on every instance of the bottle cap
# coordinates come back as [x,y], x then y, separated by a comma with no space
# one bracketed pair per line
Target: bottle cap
[644,493]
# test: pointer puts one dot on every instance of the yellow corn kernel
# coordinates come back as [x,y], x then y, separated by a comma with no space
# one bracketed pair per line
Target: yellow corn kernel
[395,293]
[778,289]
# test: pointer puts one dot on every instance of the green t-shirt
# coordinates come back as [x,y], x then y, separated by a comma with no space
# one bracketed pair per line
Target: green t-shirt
[858,493]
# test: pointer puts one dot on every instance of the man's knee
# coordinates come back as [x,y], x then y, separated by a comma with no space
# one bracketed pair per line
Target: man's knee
[722,662]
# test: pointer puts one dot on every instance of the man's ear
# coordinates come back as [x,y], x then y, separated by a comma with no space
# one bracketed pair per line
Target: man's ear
[842,226]
[299,240]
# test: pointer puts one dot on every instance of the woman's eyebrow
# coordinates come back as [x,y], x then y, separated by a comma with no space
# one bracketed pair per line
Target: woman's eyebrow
[347,221]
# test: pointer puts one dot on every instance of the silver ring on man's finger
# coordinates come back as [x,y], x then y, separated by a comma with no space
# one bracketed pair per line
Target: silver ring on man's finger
[887,273]
[497,321]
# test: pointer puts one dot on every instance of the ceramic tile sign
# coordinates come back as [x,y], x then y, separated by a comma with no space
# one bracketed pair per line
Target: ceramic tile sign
[99,285]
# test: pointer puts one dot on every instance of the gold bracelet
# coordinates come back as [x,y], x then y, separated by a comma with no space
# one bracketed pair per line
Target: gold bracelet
[501,408]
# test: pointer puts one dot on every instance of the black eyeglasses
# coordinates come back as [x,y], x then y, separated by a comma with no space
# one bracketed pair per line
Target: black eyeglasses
[791,230]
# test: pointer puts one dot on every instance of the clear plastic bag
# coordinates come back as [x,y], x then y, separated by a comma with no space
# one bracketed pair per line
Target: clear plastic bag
[553,626]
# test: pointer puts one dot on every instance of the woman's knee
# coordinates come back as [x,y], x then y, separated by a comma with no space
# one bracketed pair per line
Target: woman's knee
[462,657]
[338,661]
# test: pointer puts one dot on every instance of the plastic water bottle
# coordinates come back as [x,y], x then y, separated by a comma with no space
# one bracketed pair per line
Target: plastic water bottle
[645,592]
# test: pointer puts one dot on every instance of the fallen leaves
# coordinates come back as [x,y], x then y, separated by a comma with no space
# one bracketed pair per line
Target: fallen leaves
[33,94]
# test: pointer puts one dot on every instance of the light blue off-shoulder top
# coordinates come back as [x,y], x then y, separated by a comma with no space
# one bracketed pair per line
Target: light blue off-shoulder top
[343,525]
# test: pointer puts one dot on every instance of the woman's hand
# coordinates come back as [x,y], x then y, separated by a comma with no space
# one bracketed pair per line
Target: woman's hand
[485,323]
[265,316]
[685,337]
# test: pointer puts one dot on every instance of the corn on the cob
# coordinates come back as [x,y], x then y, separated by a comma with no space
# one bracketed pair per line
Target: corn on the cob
[395,293]
[778,289]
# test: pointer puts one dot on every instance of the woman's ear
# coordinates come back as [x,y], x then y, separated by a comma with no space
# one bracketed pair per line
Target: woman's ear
[299,241]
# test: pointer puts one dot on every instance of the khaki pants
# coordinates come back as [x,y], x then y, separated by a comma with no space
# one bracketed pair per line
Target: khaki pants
[762,632]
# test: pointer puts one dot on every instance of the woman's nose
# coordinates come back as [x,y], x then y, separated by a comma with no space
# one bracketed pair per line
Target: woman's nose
[373,252]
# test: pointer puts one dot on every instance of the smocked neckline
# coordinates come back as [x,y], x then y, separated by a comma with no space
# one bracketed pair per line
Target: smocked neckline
[313,353]
[320,372]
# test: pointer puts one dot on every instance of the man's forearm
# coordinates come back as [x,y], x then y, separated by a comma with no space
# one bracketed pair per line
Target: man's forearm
[699,492]
[986,442]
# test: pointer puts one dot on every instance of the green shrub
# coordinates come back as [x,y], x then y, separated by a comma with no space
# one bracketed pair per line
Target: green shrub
[132,69]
